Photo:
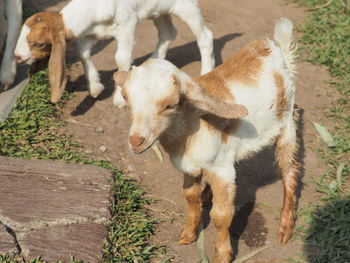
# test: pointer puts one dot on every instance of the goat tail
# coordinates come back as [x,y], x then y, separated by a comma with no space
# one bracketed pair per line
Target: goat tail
[284,37]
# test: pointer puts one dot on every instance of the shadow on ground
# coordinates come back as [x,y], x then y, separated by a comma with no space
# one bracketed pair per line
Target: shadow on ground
[180,56]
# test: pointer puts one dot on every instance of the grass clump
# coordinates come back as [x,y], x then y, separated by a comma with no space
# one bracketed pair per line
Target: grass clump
[32,130]
[326,41]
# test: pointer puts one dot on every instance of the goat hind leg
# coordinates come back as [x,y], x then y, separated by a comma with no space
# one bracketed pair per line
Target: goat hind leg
[166,34]
[189,12]
[286,150]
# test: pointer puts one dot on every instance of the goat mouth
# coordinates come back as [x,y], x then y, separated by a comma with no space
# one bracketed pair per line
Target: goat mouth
[142,148]
[23,61]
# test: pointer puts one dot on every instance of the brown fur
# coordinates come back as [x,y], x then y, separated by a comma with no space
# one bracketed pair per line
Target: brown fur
[208,103]
[192,191]
[241,67]
[172,99]
[120,77]
[221,214]
[47,38]
[289,167]
[281,100]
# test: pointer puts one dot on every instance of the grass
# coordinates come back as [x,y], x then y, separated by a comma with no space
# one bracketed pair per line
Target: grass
[326,41]
[33,131]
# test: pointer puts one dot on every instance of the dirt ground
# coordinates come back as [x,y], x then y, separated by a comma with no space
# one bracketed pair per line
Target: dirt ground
[259,197]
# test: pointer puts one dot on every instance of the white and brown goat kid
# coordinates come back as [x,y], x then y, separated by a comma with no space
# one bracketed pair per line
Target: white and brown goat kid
[208,123]
[45,34]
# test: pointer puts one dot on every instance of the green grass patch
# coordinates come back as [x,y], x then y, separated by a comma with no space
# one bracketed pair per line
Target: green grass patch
[328,238]
[32,130]
[326,41]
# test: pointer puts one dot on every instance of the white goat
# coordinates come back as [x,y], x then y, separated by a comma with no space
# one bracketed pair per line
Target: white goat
[89,21]
[10,24]
[208,123]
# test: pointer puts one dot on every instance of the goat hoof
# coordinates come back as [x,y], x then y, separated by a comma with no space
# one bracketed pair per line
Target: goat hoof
[96,89]
[223,257]
[284,234]
[4,86]
[187,237]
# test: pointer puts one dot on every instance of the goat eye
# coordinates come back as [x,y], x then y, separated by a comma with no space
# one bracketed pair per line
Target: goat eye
[170,107]
[39,45]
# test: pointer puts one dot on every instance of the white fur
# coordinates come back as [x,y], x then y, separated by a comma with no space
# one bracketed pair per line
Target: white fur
[93,20]
[13,13]
[150,83]
[22,50]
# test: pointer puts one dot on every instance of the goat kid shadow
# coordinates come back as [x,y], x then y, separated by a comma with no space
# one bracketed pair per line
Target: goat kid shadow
[253,173]
[180,56]
[188,53]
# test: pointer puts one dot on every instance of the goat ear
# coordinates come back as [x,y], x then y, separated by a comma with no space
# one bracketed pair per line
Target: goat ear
[195,94]
[57,67]
[120,77]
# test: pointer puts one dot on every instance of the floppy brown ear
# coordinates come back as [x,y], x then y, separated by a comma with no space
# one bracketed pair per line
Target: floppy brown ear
[57,67]
[120,77]
[195,94]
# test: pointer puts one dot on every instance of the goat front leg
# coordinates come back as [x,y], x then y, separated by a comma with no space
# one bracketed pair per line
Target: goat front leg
[192,192]
[189,12]
[85,45]
[123,57]
[8,64]
[125,36]
[286,150]
[222,212]
[166,34]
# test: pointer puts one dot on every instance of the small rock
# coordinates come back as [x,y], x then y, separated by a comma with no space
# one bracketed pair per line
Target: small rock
[103,148]
[99,130]
[88,151]
[131,168]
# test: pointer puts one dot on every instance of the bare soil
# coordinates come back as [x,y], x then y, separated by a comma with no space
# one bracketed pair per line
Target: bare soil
[259,197]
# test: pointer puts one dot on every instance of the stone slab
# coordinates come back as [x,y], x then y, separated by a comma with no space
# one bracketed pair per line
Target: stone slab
[55,208]
[7,244]
[81,240]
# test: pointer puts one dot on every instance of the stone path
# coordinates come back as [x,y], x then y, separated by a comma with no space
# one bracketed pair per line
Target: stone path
[53,209]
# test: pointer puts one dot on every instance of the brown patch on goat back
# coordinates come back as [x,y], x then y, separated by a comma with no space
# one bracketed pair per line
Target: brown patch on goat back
[246,64]
[214,84]
[281,99]
[243,67]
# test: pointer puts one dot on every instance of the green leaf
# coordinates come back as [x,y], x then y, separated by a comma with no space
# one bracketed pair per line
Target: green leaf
[340,169]
[325,135]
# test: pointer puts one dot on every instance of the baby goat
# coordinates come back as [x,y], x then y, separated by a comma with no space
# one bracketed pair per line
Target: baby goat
[45,34]
[10,24]
[208,123]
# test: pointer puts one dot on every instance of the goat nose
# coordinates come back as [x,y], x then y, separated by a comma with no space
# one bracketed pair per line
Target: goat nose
[18,58]
[136,140]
